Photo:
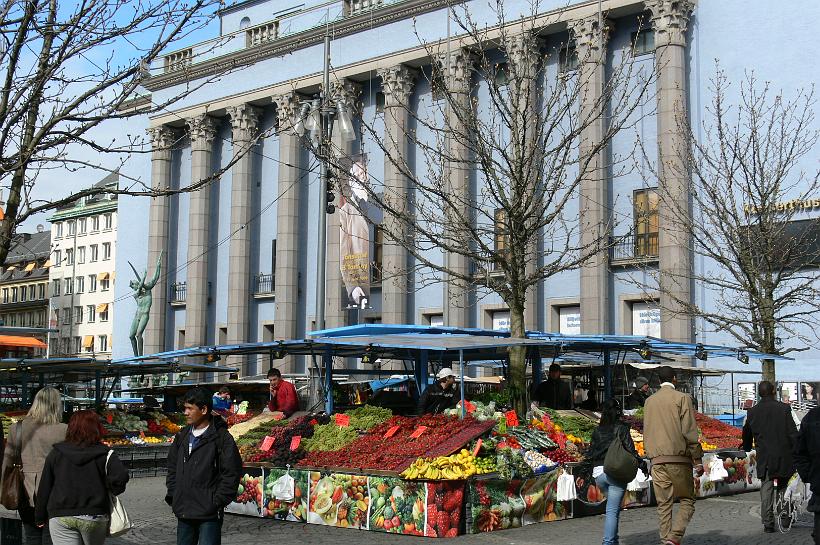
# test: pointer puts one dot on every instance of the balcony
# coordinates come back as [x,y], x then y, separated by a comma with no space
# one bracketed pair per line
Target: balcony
[178,292]
[632,249]
[264,286]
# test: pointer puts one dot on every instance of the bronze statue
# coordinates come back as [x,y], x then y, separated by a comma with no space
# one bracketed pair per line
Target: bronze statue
[142,294]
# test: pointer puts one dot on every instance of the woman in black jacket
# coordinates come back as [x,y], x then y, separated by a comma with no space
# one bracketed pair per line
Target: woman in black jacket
[73,492]
[610,428]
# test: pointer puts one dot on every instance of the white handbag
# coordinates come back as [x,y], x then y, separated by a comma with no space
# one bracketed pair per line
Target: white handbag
[119,522]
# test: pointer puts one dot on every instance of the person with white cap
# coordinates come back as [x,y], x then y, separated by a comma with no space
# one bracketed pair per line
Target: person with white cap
[440,395]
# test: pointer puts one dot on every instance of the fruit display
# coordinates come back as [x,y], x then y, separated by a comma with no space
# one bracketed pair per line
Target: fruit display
[452,468]
[397,506]
[293,510]
[717,433]
[249,495]
[329,437]
[365,417]
[742,474]
[338,500]
[538,462]
[478,410]
[444,509]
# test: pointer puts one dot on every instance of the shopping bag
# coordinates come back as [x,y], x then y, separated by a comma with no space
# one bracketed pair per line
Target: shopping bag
[119,523]
[283,487]
[13,494]
[566,487]
[716,470]
[640,482]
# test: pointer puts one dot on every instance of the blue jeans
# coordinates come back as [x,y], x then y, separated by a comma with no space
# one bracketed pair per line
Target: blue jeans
[614,496]
[199,532]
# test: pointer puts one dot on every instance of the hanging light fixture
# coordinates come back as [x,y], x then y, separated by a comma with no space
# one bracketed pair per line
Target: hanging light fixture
[346,129]
[700,352]
[300,119]
[313,120]
[743,357]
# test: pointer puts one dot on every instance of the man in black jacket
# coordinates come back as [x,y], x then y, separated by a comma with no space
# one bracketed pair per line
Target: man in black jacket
[553,393]
[807,462]
[204,468]
[440,395]
[770,425]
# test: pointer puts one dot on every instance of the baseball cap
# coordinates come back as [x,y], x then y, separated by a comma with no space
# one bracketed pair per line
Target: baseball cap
[444,373]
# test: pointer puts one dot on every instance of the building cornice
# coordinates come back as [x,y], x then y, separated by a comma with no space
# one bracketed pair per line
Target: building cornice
[85,210]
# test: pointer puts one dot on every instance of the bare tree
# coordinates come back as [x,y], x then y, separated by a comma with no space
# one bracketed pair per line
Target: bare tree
[751,177]
[67,68]
[531,137]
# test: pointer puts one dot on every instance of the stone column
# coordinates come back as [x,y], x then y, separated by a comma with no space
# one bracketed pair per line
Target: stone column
[523,54]
[457,303]
[162,140]
[397,84]
[670,19]
[335,310]
[203,132]
[590,44]
[288,241]
[245,125]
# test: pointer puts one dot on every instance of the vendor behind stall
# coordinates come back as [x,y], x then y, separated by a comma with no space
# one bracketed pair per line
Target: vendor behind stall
[637,398]
[440,395]
[283,398]
[222,399]
[553,393]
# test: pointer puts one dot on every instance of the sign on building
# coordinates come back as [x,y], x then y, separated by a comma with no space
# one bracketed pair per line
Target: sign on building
[646,319]
[569,320]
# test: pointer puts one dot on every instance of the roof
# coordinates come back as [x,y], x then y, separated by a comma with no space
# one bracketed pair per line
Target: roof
[29,247]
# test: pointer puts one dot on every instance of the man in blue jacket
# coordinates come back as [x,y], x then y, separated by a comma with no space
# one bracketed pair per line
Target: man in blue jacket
[204,468]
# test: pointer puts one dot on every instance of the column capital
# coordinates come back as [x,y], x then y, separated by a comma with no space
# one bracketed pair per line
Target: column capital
[590,37]
[670,18]
[162,137]
[523,53]
[461,62]
[398,83]
[244,121]
[346,91]
[202,129]
[287,108]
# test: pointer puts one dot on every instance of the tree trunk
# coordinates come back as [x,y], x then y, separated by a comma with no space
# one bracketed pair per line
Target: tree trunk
[768,371]
[518,362]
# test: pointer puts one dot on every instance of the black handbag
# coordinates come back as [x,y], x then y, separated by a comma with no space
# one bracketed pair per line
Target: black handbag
[13,493]
[619,464]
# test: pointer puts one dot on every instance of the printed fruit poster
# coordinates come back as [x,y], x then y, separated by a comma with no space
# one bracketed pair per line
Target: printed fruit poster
[249,495]
[444,508]
[293,510]
[397,506]
[742,471]
[338,499]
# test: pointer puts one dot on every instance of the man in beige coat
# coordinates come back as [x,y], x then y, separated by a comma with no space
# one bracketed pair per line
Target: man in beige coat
[671,443]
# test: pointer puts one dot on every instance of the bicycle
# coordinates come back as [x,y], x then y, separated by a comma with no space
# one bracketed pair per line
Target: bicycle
[790,503]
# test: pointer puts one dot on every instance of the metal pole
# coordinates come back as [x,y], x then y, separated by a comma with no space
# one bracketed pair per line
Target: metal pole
[461,371]
[327,360]
[321,260]
[607,375]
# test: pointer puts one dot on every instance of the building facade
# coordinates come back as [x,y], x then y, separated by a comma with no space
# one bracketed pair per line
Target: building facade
[84,241]
[240,255]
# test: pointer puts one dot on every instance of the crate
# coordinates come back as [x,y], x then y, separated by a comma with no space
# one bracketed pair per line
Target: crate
[11,531]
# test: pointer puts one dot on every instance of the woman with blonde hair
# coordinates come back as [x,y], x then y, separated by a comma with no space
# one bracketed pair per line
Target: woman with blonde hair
[33,437]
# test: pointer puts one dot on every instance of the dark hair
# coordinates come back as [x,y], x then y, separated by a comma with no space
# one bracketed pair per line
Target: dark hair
[224,390]
[201,398]
[555,367]
[84,429]
[765,389]
[274,372]
[611,412]
[665,373]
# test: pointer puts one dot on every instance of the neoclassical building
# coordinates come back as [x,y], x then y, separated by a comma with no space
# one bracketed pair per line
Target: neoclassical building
[239,256]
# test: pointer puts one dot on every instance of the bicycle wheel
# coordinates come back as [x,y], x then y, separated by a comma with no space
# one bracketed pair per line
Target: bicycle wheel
[784,516]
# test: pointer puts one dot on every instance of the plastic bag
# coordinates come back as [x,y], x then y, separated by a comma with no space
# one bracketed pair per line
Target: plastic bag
[716,470]
[283,487]
[640,482]
[566,488]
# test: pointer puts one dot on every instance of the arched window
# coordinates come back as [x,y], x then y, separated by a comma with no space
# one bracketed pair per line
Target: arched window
[244,23]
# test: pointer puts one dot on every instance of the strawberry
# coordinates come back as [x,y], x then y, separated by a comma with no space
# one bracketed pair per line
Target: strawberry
[442,522]
[452,532]
[432,512]
[451,502]
[455,517]
[428,531]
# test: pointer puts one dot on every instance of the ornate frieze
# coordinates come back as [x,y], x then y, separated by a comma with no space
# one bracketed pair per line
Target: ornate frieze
[591,36]
[670,19]
[162,137]
[244,121]
[398,83]
[287,108]
[202,129]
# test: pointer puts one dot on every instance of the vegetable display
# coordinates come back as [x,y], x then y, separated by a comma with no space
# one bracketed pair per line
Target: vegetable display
[327,437]
[397,506]
[365,417]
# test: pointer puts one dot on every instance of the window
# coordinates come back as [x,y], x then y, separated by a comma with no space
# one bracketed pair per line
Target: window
[244,23]
[81,255]
[501,238]
[378,252]
[108,221]
[22,294]
[568,59]
[5,295]
[32,292]
[88,343]
[66,316]
[501,76]
[83,226]
[56,316]
[103,343]
[380,102]
[41,290]
[13,295]
[95,223]
[104,284]
[436,320]
[68,286]
[95,252]
[79,284]
[13,320]
[645,204]
[72,228]
[92,283]
[66,342]
[78,345]
[91,313]
[29,320]
[41,318]
[104,313]
[106,250]
[78,315]
[55,288]
[58,258]
[643,42]
[69,257]
[58,230]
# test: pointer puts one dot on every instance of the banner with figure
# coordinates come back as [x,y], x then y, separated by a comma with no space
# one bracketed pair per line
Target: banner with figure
[354,235]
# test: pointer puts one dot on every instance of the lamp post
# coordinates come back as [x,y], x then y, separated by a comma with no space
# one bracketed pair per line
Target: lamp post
[317,118]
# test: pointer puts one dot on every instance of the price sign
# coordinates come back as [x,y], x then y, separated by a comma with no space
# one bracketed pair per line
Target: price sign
[477,447]
[142,434]
[109,418]
[295,442]
[418,431]
[267,443]
[391,432]
[470,407]
[342,420]
[512,418]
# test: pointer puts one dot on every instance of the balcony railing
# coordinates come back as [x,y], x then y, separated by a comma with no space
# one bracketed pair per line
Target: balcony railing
[632,248]
[262,34]
[179,60]
[359,6]
[264,284]
[178,292]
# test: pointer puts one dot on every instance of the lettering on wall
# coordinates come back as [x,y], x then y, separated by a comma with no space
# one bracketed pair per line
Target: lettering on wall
[787,206]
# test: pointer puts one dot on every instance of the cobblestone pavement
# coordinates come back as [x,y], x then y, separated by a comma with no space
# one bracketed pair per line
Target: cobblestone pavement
[733,520]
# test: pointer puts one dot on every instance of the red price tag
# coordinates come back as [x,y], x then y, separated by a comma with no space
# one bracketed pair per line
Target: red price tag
[470,407]
[342,420]
[391,432]
[512,418]
[109,418]
[295,442]
[142,434]
[418,431]
[267,443]
[477,447]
